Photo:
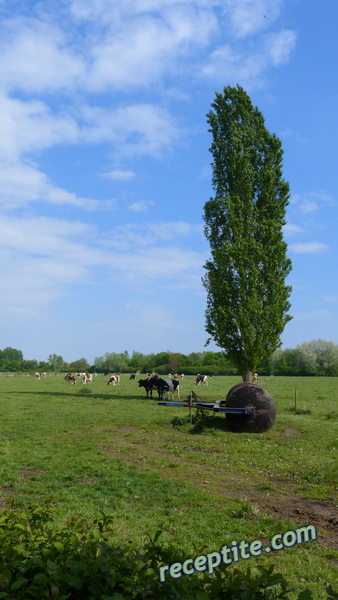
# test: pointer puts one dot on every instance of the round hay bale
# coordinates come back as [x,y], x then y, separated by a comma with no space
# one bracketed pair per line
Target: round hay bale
[245,395]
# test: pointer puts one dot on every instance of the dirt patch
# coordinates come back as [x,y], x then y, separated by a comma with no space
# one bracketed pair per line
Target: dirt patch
[88,481]
[285,505]
[292,433]
[6,493]
[26,473]
[320,514]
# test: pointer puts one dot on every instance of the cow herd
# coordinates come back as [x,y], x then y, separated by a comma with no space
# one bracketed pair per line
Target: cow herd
[152,382]
[162,386]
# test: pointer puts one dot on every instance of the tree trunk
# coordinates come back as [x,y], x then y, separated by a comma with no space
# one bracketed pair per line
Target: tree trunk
[247,375]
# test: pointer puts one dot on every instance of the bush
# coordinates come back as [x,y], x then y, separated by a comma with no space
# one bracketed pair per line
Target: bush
[40,560]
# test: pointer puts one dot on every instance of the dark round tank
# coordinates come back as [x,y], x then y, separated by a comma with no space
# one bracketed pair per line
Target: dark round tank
[245,395]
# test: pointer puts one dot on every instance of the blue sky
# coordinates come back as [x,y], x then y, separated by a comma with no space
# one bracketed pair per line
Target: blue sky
[105,167]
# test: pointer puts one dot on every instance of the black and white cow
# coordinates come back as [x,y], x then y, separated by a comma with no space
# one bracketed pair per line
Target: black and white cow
[149,385]
[201,379]
[170,387]
[163,386]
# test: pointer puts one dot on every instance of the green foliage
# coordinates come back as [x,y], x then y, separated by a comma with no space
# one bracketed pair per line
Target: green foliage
[247,297]
[56,362]
[10,359]
[111,362]
[317,357]
[79,366]
[40,560]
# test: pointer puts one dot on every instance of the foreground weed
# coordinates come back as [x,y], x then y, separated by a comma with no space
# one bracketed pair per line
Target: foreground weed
[245,509]
[332,415]
[79,560]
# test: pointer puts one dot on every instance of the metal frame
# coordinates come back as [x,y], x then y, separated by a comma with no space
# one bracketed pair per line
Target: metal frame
[217,407]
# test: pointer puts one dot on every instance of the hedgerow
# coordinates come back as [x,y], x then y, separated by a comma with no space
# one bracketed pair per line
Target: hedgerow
[79,560]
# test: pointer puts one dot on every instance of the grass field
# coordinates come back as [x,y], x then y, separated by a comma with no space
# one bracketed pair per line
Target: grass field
[111,449]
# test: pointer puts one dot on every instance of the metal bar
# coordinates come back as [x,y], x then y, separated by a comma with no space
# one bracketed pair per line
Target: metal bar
[211,406]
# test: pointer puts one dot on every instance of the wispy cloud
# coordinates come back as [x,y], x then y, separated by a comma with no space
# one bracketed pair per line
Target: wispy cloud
[233,64]
[43,258]
[315,315]
[292,228]
[120,174]
[308,248]
[310,202]
[21,184]
[250,16]
[140,206]
[279,46]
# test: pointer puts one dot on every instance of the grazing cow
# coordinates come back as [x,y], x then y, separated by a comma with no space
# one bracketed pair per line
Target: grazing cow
[201,379]
[149,384]
[115,379]
[87,378]
[162,386]
[70,378]
[44,374]
[254,378]
[37,375]
[169,375]
[182,375]
[170,386]
[176,376]
[132,375]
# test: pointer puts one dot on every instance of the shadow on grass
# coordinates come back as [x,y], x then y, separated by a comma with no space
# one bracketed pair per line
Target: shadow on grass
[202,422]
[79,393]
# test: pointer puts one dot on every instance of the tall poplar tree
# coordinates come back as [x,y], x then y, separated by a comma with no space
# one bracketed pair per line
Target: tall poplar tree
[247,299]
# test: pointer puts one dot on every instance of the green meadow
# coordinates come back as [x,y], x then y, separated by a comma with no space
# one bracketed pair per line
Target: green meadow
[96,448]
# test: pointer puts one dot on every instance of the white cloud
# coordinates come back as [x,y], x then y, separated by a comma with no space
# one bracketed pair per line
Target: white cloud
[120,174]
[36,56]
[131,130]
[40,259]
[248,67]
[249,16]
[30,126]
[315,315]
[309,202]
[279,46]
[291,228]
[308,248]
[140,206]
[21,184]
[133,236]
[43,258]
[126,45]
[330,298]
[168,267]
[148,46]
[308,206]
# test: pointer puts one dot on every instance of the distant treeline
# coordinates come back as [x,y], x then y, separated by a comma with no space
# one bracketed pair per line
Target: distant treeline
[311,358]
